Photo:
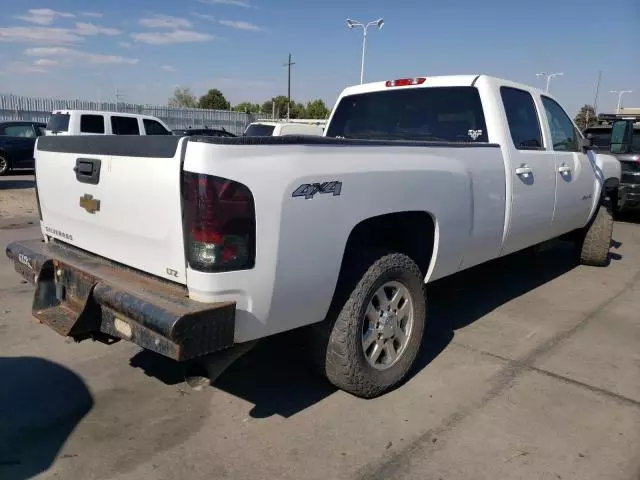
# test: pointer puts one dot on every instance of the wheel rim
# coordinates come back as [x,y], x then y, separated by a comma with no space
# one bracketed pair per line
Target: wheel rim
[4,165]
[387,325]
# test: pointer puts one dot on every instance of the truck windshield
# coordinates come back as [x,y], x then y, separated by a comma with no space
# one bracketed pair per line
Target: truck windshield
[259,130]
[451,114]
[58,122]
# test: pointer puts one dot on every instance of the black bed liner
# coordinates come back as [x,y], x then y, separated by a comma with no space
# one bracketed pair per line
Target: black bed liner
[165,146]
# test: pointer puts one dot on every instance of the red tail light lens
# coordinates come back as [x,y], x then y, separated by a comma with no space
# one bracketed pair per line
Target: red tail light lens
[219,223]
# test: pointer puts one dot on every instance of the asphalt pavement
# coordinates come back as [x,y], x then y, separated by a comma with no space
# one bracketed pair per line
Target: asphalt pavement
[531,370]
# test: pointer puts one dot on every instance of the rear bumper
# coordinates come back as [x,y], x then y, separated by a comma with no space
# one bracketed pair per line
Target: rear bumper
[82,296]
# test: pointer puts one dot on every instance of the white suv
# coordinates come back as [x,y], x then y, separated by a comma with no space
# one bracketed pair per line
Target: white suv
[95,122]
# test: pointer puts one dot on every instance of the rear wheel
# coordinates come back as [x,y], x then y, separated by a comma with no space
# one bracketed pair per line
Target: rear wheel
[5,167]
[374,337]
[594,240]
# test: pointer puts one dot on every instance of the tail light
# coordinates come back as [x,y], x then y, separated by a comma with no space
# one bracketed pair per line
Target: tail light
[219,223]
[405,82]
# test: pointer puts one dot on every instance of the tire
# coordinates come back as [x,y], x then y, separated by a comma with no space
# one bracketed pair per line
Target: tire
[595,240]
[341,352]
[5,166]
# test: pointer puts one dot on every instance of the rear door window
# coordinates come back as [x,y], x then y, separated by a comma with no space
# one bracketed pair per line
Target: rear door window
[124,126]
[522,118]
[92,123]
[151,127]
[452,114]
[23,131]
[58,122]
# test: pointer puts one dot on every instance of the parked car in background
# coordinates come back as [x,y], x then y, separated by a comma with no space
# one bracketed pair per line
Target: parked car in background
[17,141]
[629,155]
[207,132]
[278,129]
[96,122]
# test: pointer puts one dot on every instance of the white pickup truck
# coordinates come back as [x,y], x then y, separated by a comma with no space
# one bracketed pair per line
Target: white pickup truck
[190,246]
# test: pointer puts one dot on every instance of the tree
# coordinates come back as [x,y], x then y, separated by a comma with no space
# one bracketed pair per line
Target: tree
[247,107]
[183,98]
[316,109]
[214,100]
[279,104]
[586,117]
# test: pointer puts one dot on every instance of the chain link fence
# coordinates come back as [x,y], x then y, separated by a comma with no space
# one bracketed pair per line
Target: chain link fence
[14,107]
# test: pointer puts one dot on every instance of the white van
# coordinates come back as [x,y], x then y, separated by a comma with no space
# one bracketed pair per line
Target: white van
[96,122]
[277,129]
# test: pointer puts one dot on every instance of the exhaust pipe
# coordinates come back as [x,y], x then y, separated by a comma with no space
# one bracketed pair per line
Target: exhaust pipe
[205,370]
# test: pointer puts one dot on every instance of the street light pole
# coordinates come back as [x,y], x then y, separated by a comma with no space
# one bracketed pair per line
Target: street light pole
[620,94]
[549,76]
[351,24]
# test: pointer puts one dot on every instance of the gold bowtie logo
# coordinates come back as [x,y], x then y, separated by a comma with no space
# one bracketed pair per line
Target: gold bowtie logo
[90,204]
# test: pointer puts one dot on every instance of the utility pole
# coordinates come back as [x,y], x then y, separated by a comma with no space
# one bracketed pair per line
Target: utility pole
[288,65]
[595,101]
[549,76]
[118,95]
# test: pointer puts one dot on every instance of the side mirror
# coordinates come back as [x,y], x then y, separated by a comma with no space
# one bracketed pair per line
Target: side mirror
[585,143]
[621,132]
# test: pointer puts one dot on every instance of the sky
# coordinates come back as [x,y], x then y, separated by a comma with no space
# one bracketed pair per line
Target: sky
[144,49]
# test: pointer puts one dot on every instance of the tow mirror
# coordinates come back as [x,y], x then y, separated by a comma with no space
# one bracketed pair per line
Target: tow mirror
[621,131]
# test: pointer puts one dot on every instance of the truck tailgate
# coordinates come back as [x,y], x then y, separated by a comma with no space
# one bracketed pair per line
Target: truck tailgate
[118,197]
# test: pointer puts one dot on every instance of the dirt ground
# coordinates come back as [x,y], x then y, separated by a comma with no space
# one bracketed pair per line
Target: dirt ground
[17,197]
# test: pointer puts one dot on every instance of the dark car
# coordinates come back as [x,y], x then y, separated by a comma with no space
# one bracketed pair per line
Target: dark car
[207,132]
[629,156]
[17,142]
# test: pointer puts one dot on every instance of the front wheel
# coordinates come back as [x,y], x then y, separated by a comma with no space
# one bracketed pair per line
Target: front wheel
[375,337]
[594,240]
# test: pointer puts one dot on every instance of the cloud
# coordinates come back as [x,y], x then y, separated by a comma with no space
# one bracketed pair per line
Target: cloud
[91,29]
[92,14]
[241,25]
[43,16]
[165,21]
[21,67]
[45,62]
[167,38]
[125,44]
[42,35]
[69,55]
[204,16]
[169,68]
[234,3]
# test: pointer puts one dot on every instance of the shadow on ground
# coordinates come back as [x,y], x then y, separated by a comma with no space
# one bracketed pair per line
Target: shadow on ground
[41,403]
[9,183]
[277,376]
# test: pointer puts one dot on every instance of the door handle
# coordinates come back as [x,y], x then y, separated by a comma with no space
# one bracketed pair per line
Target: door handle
[524,171]
[564,169]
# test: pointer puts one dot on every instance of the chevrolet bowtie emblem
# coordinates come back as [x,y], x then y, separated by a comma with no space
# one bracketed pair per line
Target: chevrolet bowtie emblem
[90,204]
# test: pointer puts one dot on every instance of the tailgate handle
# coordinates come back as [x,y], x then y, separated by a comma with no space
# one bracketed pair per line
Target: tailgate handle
[87,170]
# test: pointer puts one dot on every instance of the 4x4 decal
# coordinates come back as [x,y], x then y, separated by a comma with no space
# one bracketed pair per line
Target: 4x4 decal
[309,190]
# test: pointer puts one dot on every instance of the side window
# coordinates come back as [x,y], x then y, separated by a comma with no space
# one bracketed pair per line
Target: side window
[124,126]
[522,118]
[40,130]
[563,134]
[92,124]
[151,127]
[23,131]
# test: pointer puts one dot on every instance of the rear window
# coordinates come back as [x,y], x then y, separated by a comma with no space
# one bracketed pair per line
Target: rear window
[452,114]
[151,127]
[92,124]
[124,126]
[259,130]
[58,122]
